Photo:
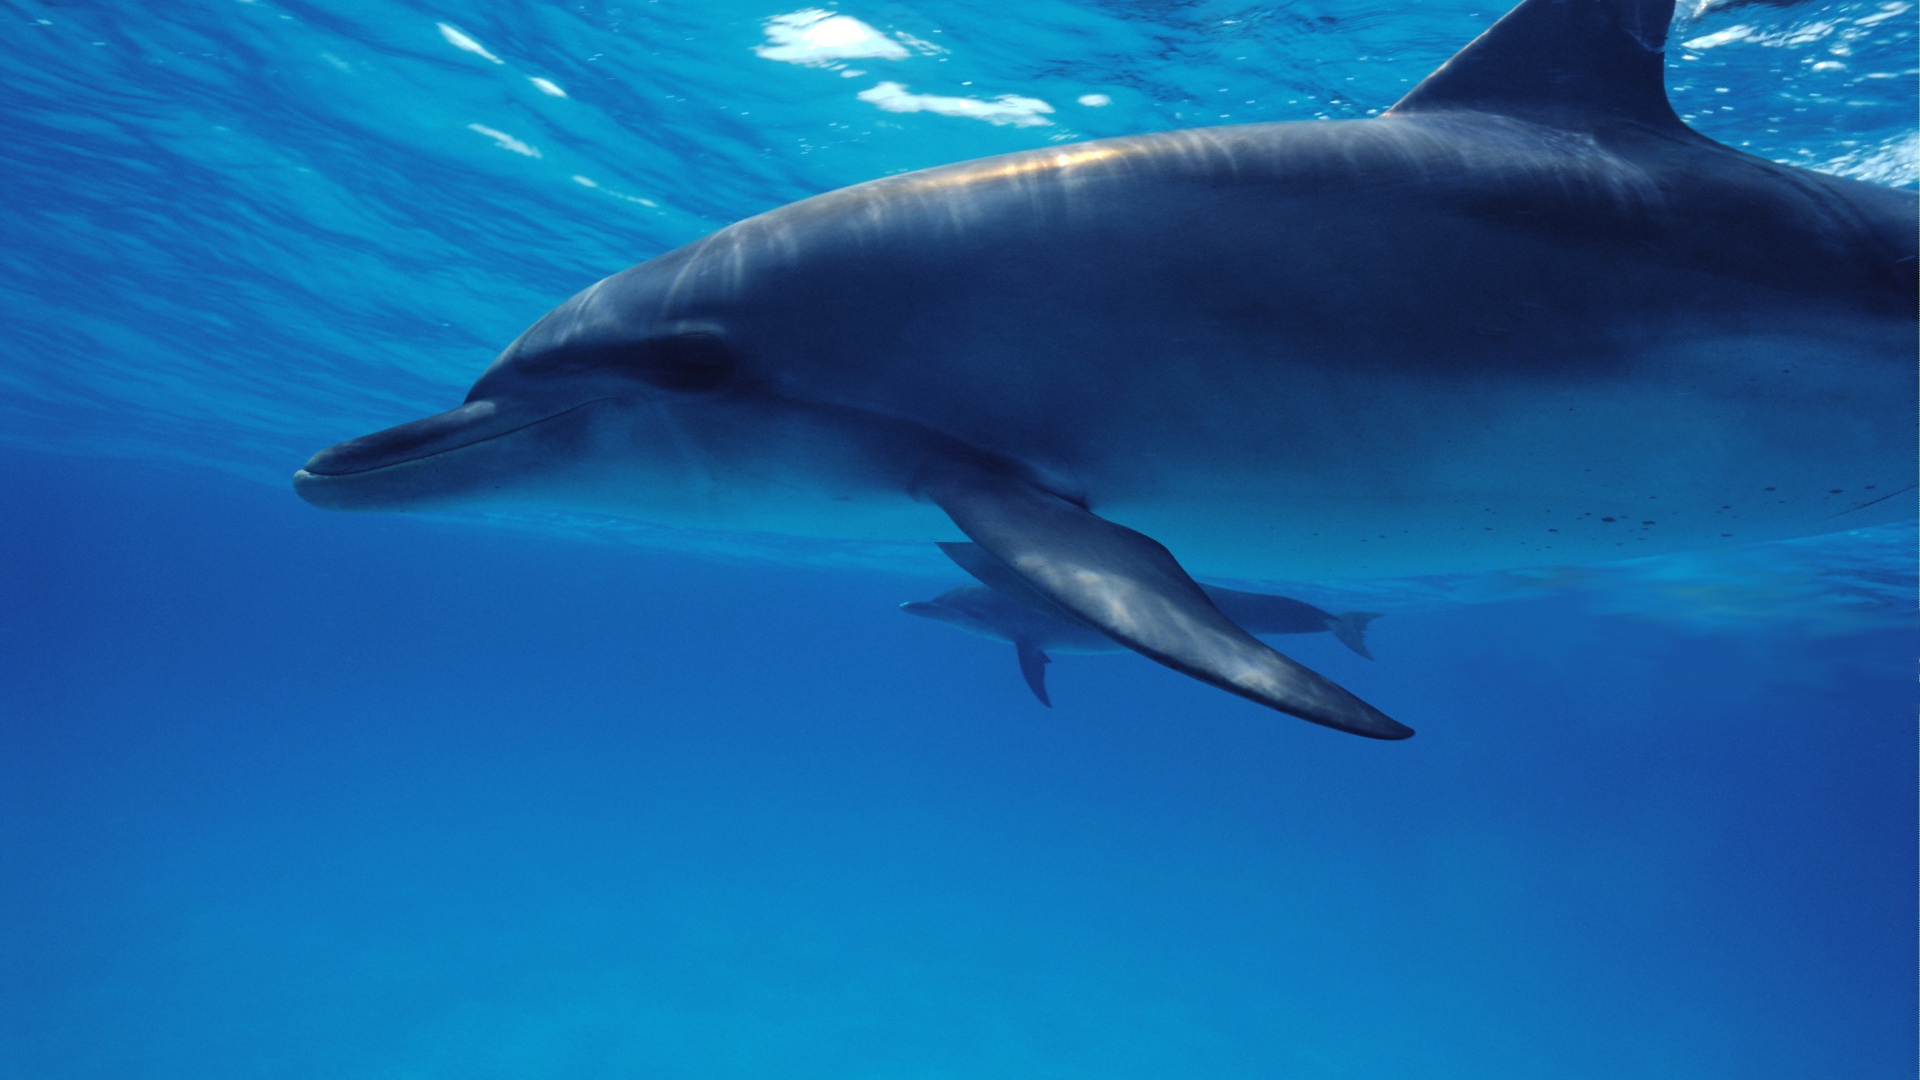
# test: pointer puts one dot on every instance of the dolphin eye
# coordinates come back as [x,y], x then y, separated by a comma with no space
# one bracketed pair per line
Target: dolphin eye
[695,362]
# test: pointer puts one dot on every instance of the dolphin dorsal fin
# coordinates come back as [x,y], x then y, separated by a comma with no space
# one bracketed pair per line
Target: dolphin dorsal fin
[1575,64]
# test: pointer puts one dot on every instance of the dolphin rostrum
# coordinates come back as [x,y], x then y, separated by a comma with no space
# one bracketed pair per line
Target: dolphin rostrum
[1524,317]
[1037,627]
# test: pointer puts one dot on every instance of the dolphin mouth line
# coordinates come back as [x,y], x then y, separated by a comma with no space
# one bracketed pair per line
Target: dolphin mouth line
[443,451]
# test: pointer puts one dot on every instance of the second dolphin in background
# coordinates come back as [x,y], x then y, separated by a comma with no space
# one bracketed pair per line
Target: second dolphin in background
[1035,633]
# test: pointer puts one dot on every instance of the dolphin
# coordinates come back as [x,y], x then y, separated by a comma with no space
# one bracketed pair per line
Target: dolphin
[1524,317]
[1036,627]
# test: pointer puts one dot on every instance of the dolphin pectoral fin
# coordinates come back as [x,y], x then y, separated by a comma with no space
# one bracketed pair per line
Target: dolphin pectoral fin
[999,577]
[1130,588]
[1033,666]
[1351,628]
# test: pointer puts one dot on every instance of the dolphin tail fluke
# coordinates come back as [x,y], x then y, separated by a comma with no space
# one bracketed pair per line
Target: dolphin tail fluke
[1351,628]
[1131,589]
[1033,666]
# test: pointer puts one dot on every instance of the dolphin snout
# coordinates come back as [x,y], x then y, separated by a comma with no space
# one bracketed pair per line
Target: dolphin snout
[409,442]
[418,465]
[471,453]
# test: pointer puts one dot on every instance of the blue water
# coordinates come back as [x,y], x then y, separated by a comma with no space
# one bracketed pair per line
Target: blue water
[292,794]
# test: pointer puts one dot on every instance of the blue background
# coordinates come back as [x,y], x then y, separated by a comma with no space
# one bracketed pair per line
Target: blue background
[294,794]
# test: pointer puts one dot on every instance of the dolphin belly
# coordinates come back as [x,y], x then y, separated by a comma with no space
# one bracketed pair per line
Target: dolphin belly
[1490,477]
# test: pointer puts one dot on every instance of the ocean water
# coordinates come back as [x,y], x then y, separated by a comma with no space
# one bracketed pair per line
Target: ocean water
[303,795]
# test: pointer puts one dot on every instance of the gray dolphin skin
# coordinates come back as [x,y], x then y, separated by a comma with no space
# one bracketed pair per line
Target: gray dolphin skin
[1036,627]
[1524,317]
